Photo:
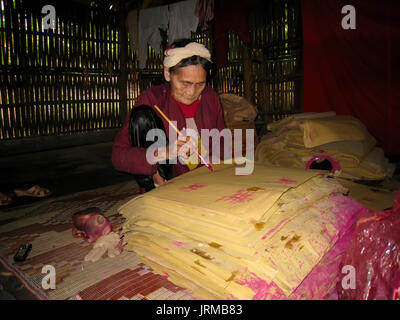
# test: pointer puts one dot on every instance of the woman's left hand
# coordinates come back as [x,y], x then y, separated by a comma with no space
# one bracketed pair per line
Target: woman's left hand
[158,180]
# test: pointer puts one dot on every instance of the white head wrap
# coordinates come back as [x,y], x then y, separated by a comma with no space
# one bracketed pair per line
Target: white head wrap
[176,55]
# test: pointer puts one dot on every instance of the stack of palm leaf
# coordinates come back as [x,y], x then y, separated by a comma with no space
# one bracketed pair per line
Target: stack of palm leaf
[274,234]
[296,140]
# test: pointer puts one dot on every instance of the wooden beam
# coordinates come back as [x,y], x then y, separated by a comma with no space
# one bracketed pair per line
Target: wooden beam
[248,73]
[123,55]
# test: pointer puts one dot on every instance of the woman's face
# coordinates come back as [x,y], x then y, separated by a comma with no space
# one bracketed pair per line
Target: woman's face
[187,83]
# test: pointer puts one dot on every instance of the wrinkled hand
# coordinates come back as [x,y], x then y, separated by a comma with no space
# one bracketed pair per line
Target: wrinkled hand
[185,149]
[109,242]
[158,180]
[175,149]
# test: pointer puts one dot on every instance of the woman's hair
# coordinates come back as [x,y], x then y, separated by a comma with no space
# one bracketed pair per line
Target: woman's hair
[142,119]
[207,65]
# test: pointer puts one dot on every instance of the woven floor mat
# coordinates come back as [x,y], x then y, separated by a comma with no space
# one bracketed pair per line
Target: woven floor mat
[48,227]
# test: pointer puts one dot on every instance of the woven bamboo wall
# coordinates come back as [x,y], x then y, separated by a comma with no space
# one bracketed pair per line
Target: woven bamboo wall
[57,82]
[277,59]
[66,81]
[276,54]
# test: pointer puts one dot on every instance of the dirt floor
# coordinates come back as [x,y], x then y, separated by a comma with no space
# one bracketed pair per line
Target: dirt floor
[64,171]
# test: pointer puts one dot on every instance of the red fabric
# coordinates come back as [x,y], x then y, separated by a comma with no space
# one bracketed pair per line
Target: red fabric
[355,72]
[229,15]
[188,110]
[132,160]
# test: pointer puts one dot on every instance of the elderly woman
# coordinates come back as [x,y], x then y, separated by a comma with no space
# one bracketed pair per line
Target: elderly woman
[186,100]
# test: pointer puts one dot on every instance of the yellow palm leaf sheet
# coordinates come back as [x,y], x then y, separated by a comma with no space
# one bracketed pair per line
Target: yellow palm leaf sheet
[212,232]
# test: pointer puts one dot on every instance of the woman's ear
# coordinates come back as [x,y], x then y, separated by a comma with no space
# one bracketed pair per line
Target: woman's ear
[167,74]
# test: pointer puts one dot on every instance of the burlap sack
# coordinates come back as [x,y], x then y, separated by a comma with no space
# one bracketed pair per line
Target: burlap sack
[237,109]
[239,113]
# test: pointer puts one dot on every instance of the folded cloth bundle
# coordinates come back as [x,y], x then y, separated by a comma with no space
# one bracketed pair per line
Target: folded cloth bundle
[268,235]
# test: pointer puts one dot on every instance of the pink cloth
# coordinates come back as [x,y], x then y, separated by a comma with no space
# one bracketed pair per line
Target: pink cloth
[208,116]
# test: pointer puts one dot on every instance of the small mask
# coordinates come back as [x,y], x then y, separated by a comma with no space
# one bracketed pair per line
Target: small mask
[90,224]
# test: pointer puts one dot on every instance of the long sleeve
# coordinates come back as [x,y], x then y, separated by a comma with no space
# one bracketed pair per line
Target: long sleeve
[127,158]
[130,159]
[209,116]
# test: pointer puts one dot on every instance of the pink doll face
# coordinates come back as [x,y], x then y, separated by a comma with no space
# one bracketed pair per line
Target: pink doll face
[90,224]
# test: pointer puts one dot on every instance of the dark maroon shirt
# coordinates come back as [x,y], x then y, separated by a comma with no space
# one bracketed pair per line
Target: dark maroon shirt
[208,115]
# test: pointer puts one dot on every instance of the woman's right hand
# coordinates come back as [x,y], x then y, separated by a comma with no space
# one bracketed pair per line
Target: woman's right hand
[178,148]
[175,149]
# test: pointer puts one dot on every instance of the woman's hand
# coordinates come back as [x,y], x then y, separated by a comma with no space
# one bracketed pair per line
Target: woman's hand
[178,148]
[158,180]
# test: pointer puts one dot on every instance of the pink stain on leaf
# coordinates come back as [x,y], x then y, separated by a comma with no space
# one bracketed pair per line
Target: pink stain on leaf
[238,197]
[177,243]
[166,275]
[322,278]
[193,187]
[263,290]
[278,226]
